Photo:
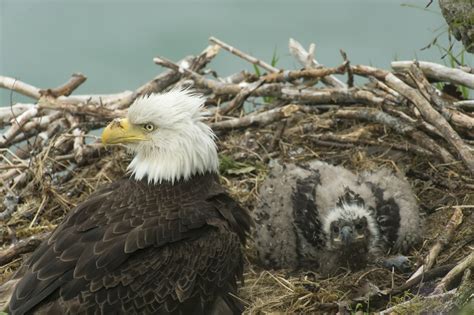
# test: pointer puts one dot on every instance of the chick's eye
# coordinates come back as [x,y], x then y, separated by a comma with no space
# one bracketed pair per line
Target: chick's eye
[148,127]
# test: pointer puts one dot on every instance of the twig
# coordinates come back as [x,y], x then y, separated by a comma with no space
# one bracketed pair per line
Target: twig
[67,88]
[350,74]
[443,106]
[80,109]
[8,113]
[394,123]
[286,93]
[438,72]
[259,119]
[22,247]
[305,73]
[44,201]
[467,105]
[167,78]
[465,289]
[243,55]
[16,127]
[443,239]
[434,118]
[240,98]
[330,139]
[466,263]
[442,299]
[20,87]
[370,71]
[307,60]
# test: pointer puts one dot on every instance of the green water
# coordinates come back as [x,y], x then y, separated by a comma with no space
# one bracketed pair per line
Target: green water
[113,42]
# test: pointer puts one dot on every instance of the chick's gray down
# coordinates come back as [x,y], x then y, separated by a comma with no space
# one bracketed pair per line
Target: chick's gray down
[317,215]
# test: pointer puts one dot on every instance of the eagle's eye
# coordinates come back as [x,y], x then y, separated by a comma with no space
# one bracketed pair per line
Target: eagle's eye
[359,226]
[149,127]
[335,229]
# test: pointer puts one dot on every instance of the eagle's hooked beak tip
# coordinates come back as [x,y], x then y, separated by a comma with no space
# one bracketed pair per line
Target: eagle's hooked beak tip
[347,235]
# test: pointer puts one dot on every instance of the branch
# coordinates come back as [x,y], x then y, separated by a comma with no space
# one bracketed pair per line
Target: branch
[80,109]
[22,247]
[397,125]
[67,88]
[286,93]
[434,118]
[466,263]
[243,55]
[444,238]
[20,87]
[441,300]
[438,72]
[286,76]
[306,59]
[240,98]
[8,112]
[259,119]
[443,106]
[17,125]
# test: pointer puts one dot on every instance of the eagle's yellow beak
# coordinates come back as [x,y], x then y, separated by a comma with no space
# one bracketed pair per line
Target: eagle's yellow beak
[122,131]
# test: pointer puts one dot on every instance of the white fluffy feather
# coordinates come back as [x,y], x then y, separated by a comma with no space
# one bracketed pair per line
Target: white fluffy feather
[350,213]
[180,146]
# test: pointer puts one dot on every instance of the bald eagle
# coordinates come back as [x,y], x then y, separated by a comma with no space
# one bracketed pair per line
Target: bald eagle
[325,217]
[165,240]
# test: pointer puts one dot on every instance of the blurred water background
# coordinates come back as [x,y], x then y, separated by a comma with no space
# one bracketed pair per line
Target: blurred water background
[42,42]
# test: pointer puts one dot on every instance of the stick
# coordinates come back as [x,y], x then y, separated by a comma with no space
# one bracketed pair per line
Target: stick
[243,55]
[443,300]
[286,76]
[438,72]
[443,239]
[81,109]
[370,71]
[165,79]
[443,106]
[467,105]
[286,93]
[397,125]
[22,247]
[20,87]
[348,69]
[259,119]
[465,289]
[306,59]
[7,113]
[434,118]
[16,127]
[332,140]
[67,88]
[466,263]
[240,98]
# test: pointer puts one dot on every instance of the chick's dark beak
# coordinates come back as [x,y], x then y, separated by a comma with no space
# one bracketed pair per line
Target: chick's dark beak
[347,235]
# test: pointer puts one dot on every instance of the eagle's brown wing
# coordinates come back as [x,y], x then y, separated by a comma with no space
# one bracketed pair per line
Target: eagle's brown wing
[137,248]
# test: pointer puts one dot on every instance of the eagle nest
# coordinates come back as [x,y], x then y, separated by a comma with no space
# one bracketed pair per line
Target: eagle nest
[50,161]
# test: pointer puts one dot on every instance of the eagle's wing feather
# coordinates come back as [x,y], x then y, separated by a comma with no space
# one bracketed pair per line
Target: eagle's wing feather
[99,254]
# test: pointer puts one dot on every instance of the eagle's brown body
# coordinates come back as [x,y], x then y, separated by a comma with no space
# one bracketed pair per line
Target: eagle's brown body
[135,247]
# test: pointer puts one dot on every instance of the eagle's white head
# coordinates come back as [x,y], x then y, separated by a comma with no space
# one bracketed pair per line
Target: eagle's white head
[168,137]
